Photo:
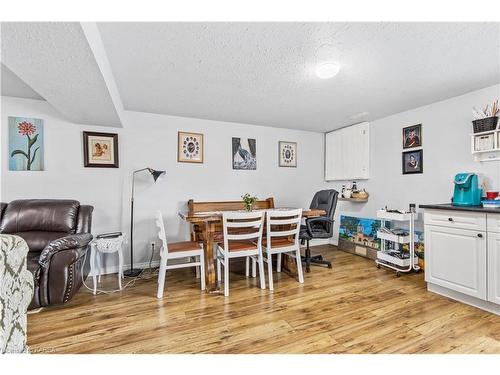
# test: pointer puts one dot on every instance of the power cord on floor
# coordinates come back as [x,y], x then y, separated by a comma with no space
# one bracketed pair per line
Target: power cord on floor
[146,274]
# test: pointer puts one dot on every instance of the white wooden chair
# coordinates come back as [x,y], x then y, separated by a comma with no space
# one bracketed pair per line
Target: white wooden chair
[187,249]
[242,238]
[280,239]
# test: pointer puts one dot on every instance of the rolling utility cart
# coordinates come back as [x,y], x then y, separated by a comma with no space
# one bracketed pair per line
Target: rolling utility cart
[391,256]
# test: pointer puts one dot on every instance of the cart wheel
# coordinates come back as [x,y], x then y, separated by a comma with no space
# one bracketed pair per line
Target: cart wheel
[398,274]
[378,266]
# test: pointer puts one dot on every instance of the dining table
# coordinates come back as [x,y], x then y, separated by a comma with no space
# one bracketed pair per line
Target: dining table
[208,222]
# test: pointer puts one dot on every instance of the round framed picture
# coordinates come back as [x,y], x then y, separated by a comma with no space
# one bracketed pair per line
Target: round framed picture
[287,154]
[190,147]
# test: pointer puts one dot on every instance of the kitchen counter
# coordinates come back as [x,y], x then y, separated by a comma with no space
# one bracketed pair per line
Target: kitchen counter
[449,206]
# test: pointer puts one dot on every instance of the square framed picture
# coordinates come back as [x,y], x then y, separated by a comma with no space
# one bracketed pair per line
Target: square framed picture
[413,162]
[287,154]
[412,136]
[100,150]
[190,147]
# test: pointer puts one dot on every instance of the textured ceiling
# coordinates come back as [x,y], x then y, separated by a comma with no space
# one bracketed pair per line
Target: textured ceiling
[12,85]
[56,61]
[263,73]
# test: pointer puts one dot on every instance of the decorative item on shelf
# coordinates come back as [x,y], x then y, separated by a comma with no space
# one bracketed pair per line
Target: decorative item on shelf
[287,154]
[413,162]
[190,147]
[133,272]
[25,144]
[249,201]
[485,120]
[412,136]
[347,192]
[244,154]
[100,150]
[360,194]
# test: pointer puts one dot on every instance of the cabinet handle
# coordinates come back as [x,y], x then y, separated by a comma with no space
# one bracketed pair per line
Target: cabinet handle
[480,235]
[450,219]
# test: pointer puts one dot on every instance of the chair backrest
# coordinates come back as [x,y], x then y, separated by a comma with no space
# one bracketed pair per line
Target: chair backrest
[39,221]
[325,200]
[283,223]
[239,226]
[162,234]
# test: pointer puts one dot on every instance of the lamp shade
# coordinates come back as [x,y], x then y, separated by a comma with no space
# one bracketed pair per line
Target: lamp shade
[156,174]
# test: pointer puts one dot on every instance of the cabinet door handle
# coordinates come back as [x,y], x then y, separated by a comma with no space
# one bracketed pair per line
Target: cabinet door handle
[480,235]
[450,219]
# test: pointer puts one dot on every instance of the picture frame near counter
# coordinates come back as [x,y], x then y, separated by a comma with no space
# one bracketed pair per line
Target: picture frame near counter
[413,162]
[412,136]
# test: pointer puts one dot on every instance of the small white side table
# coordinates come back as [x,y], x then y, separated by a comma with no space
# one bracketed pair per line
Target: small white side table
[101,246]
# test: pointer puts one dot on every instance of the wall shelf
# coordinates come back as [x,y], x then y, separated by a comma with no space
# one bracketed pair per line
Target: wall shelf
[354,200]
[490,154]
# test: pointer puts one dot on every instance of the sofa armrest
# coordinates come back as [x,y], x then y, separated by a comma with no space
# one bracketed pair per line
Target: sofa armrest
[73,241]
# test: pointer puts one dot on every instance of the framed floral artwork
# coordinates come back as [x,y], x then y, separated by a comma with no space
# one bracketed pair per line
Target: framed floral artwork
[287,154]
[25,144]
[190,147]
[100,150]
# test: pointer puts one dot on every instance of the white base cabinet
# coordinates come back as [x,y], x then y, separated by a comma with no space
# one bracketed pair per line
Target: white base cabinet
[494,267]
[462,256]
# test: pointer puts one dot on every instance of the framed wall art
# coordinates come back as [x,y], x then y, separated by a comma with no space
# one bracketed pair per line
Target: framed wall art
[25,144]
[190,147]
[412,136]
[100,150]
[287,154]
[413,162]
[244,153]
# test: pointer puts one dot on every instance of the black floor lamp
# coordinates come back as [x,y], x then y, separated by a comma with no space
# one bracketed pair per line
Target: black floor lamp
[134,272]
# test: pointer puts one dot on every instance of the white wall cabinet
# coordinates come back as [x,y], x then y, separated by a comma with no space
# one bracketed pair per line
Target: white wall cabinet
[462,256]
[347,153]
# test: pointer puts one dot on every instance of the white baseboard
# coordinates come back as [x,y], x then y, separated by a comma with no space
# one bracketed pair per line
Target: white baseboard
[110,269]
[464,298]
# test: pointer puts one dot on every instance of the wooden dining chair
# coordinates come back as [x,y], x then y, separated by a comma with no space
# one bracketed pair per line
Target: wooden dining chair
[187,249]
[282,237]
[242,238]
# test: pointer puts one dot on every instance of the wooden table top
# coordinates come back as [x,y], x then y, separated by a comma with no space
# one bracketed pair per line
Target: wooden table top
[217,215]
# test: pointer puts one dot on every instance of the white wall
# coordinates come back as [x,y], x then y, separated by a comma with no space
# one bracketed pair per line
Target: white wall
[446,128]
[151,140]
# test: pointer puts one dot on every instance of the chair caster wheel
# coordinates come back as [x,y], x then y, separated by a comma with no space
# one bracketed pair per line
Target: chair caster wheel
[330,266]
[378,266]
[398,274]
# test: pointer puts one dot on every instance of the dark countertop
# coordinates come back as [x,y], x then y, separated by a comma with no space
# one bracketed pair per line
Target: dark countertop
[449,206]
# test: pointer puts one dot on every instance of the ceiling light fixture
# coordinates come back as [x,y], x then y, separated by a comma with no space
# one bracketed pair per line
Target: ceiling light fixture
[327,70]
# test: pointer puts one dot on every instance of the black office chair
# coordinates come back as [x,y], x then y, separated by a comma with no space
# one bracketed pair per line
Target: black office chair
[319,227]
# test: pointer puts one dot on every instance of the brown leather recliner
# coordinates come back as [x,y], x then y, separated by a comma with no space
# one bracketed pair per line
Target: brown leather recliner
[58,234]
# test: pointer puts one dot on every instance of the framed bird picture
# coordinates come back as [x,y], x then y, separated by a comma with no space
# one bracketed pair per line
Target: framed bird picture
[244,153]
[190,147]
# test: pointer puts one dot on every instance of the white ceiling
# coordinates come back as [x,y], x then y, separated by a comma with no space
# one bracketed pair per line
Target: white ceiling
[56,61]
[263,73]
[255,73]
[12,85]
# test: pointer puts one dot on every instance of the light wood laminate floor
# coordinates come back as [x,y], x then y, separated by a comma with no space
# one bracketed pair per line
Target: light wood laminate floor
[352,308]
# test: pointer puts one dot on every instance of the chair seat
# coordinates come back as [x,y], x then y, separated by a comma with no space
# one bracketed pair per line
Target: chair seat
[175,247]
[277,242]
[239,246]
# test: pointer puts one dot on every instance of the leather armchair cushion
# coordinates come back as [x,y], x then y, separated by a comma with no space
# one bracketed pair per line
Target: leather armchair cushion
[73,241]
[47,215]
[37,240]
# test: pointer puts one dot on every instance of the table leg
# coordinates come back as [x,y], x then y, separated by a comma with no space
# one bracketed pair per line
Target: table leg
[92,267]
[208,245]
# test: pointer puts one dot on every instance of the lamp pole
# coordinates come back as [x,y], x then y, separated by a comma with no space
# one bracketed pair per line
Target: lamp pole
[134,272]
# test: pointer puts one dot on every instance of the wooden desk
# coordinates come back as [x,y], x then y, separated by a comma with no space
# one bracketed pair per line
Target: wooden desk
[208,223]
